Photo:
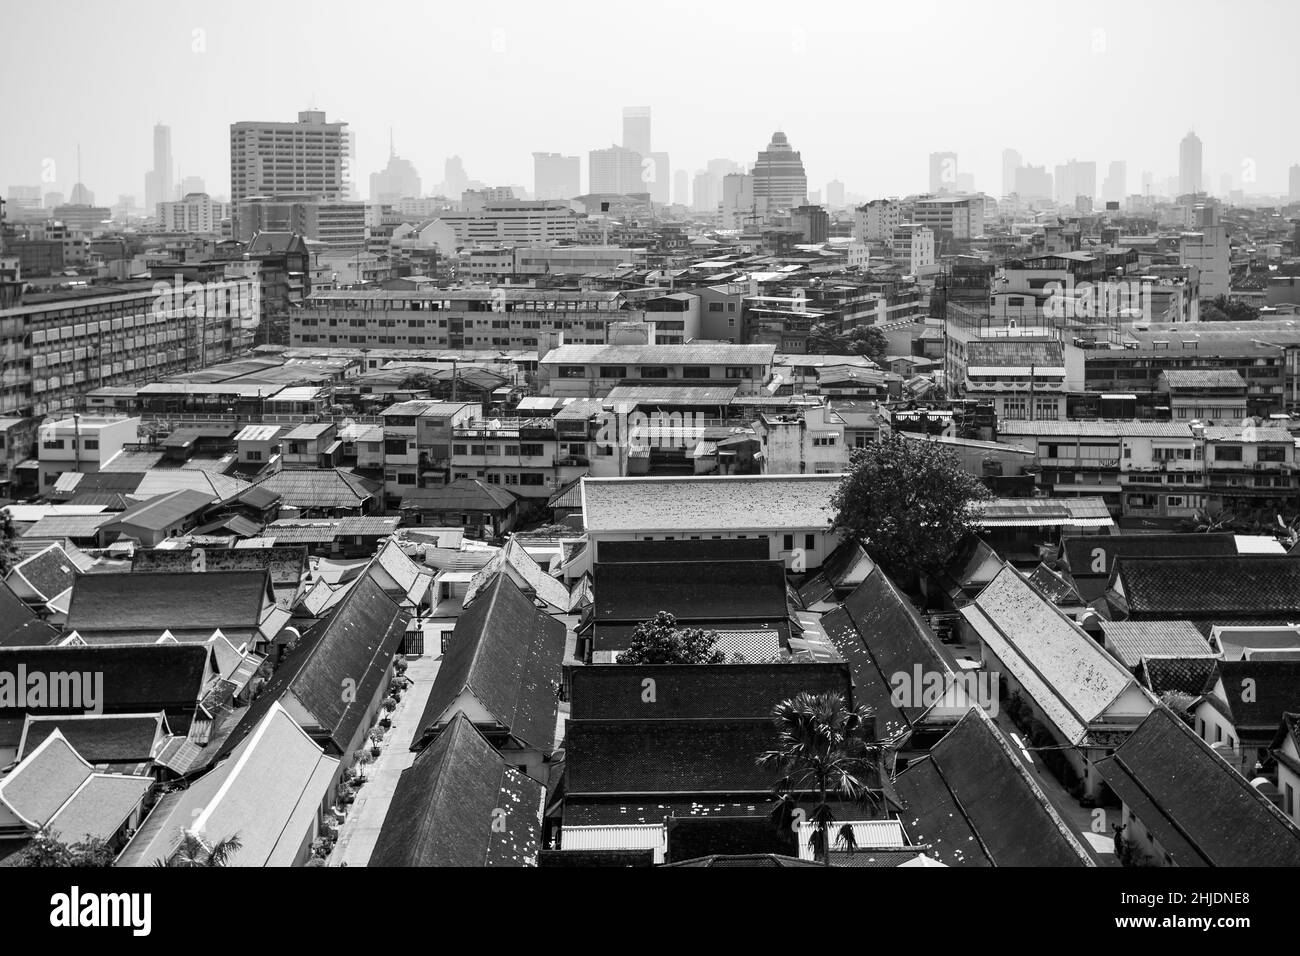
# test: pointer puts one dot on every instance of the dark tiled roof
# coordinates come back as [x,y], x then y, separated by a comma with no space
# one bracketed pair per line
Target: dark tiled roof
[136,679]
[1185,675]
[285,562]
[19,625]
[843,570]
[878,633]
[446,803]
[668,756]
[1266,587]
[49,573]
[1094,555]
[356,643]
[509,655]
[1193,803]
[975,804]
[637,552]
[99,739]
[616,691]
[1054,587]
[154,601]
[463,494]
[730,591]
[312,488]
[1276,686]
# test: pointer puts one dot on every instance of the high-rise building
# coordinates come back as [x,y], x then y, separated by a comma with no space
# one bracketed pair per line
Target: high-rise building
[1293,184]
[875,221]
[656,175]
[681,188]
[615,170]
[943,172]
[29,197]
[779,176]
[308,158]
[740,205]
[196,213]
[1115,186]
[1189,165]
[1033,182]
[397,180]
[158,184]
[454,178]
[707,192]
[82,195]
[636,130]
[192,184]
[1011,161]
[811,222]
[834,195]
[556,176]
[1075,179]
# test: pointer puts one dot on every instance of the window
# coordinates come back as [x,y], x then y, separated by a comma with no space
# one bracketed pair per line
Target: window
[92,444]
[254,456]
[1228,453]
[530,478]
[613,371]
[52,443]
[406,478]
[696,372]
[571,371]
[823,441]
[1271,453]
[787,542]
[809,542]
[653,371]
[394,446]
[739,371]
[531,449]
[715,306]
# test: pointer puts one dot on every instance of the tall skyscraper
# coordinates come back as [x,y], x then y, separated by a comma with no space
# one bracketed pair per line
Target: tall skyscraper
[397,180]
[615,170]
[681,188]
[306,158]
[636,129]
[656,176]
[1033,182]
[835,195]
[1115,186]
[1075,179]
[454,178]
[779,176]
[556,176]
[158,185]
[1011,161]
[1293,184]
[1189,165]
[943,172]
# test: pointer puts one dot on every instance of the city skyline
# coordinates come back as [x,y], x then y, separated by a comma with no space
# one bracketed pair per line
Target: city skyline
[194,50]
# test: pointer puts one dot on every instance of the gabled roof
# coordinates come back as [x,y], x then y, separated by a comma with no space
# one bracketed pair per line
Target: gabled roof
[100,738]
[1130,641]
[879,633]
[268,791]
[149,602]
[1243,586]
[508,655]
[47,574]
[1276,686]
[697,691]
[705,549]
[355,643]
[1071,679]
[463,494]
[314,488]
[843,570]
[1185,675]
[447,805]
[525,572]
[975,804]
[19,625]
[162,511]
[1193,803]
[1095,555]
[139,678]
[55,787]
[1054,586]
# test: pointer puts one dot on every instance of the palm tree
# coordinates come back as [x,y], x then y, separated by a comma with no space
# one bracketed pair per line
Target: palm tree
[823,747]
[194,851]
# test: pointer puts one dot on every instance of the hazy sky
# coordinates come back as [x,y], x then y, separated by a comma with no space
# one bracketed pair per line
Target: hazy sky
[864,90]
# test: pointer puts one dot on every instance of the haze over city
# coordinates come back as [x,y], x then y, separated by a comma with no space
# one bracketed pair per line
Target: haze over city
[864,96]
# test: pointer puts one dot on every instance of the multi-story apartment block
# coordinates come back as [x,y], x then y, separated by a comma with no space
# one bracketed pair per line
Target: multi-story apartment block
[332,224]
[1023,377]
[809,442]
[196,213]
[515,222]
[81,443]
[556,176]
[530,457]
[960,216]
[1154,472]
[912,248]
[309,157]
[56,347]
[418,444]
[592,370]
[876,221]
[519,318]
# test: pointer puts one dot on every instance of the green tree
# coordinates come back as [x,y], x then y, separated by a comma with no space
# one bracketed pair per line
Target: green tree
[195,851]
[909,501]
[661,641]
[823,748]
[869,341]
[8,547]
[1223,309]
[48,850]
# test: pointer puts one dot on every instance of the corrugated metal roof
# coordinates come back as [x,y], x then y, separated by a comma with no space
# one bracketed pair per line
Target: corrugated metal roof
[628,836]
